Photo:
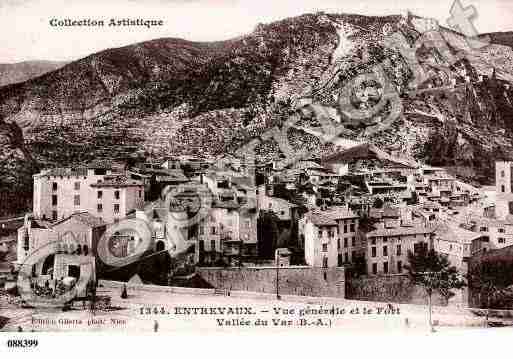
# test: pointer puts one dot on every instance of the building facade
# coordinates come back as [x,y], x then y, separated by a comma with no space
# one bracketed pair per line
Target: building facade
[330,237]
[102,192]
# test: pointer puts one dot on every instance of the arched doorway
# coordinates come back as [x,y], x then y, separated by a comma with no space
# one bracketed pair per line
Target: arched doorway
[48,264]
[160,246]
[74,271]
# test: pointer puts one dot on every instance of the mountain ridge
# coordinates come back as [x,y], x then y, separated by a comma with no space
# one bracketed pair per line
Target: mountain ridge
[172,96]
[22,71]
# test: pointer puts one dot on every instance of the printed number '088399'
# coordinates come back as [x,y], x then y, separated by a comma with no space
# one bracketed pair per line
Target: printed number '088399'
[22,343]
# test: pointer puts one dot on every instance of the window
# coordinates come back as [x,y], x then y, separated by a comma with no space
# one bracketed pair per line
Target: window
[385,239]
[100,194]
[418,247]
[325,262]
[353,241]
[399,250]
[345,228]
[213,245]
[99,207]
[76,200]
[116,194]
[332,233]
[54,186]
[345,242]
[340,260]
[201,230]
[213,230]
[501,230]
[399,267]
[385,267]
[374,268]
[54,215]
[503,188]
[502,240]
[320,233]
[77,186]
[338,243]
[352,229]
[373,241]
[483,229]
[503,174]
[373,252]
[346,257]
[54,200]
[324,247]
[116,208]
[140,193]
[26,242]
[385,251]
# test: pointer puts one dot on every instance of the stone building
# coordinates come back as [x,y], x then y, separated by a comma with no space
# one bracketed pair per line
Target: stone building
[103,191]
[330,237]
[387,248]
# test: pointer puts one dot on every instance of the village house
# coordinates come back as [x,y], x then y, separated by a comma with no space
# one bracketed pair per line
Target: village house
[496,233]
[456,243]
[387,248]
[52,249]
[99,190]
[330,237]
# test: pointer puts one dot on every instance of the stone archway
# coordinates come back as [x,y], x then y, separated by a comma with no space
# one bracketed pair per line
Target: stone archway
[161,246]
[48,264]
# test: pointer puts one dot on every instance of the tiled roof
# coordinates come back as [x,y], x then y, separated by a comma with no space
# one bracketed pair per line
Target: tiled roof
[329,217]
[225,204]
[85,218]
[391,212]
[368,151]
[452,233]
[100,164]
[400,231]
[478,221]
[376,213]
[307,164]
[117,181]
[64,172]
[172,176]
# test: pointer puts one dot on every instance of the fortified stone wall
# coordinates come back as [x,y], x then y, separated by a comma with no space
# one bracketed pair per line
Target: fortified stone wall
[302,281]
[389,288]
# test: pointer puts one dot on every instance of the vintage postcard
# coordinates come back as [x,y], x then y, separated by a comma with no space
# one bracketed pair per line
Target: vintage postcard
[215,166]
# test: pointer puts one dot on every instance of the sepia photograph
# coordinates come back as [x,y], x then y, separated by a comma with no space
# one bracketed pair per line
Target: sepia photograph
[203,166]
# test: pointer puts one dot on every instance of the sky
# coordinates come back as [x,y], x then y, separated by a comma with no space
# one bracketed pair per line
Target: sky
[27,34]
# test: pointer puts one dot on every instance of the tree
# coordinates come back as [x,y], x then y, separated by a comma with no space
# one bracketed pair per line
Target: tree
[433,272]
[378,203]
[482,277]
[268,234]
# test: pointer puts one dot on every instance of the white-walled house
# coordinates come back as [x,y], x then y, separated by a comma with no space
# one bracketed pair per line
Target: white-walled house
[330,237]
[60,192]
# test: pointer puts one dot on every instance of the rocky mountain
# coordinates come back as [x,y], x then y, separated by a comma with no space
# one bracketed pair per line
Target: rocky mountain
[172,96]
[23,71]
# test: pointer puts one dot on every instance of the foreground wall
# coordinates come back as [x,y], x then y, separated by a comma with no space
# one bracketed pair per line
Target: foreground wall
[391,288]
[303,281]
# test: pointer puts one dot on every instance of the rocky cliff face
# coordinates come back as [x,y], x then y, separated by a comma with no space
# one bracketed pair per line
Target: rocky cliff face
[171,96]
